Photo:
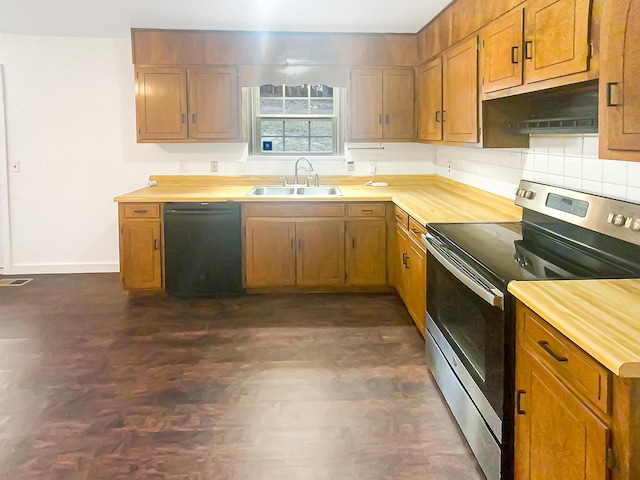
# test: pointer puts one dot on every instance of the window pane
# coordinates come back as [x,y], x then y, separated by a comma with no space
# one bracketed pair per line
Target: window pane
[271,91]
[297,91]
[324,145]
[272,127]
[296,128]
[320,128]
[295,144]
[271,106]
[296,107]
[321,91]
[322,107]
[278,144]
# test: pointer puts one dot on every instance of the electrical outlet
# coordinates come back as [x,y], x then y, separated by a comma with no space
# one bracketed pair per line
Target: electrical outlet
[15,167]
[372,166]
[449,168]
[349,166]
[214,166]
[183,166]
[242,168]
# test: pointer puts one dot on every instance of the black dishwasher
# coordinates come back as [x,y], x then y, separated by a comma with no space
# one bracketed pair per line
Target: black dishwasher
[203,249]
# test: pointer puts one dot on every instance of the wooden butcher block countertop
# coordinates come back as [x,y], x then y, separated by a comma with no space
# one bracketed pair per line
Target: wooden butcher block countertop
[600,316]
[427,198]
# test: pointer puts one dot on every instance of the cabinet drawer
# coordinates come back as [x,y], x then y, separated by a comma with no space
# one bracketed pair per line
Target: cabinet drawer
[141,210]
[292,209]
[366,210]
[402,217]
[570,363]
[416,231]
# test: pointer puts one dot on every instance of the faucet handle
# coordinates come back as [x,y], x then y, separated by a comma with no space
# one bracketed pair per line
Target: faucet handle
[316,180]
[285,182]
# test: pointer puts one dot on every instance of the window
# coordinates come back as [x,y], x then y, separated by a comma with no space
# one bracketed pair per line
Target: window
[295,120]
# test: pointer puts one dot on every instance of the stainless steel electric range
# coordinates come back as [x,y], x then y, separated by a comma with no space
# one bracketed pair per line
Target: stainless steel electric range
[564,234]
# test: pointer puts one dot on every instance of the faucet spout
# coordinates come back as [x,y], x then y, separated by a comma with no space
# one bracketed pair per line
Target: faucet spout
[295,178]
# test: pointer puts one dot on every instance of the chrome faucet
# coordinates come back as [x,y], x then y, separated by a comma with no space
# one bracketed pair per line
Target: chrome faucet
[295,178]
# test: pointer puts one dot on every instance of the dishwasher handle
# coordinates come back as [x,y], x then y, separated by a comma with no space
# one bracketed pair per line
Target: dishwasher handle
[458,269]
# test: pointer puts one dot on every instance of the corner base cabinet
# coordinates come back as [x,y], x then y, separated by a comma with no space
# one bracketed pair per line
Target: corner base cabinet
[140,246]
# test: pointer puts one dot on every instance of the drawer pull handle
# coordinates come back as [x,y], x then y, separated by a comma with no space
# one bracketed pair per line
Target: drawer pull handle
[367,211]
[399,217]
[140,211]
[545,346]
[519,409]
[415,231]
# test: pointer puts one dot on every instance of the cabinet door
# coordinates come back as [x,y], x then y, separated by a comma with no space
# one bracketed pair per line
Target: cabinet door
[140,254]
[367,252]
[556,435]
[556,38]
[365,104]
[502,52]
[161,103]
[460,115]
[417,304]
[402,272]
[398,104]
[430,100]
[213,103]
[620,77]
[270,258]
[320,257]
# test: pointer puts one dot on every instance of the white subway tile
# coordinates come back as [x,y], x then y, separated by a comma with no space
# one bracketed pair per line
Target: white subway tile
[556,165]
[592,186]
[633,175]
[633,194]
[590,146]
[614,190]
[592,169]
[541,177]
[557,180]
[556,145]
[571,182]
[538,144]
[573,146]
[614,172]
[515,175]
[573,167]
[541,162]
[528,175]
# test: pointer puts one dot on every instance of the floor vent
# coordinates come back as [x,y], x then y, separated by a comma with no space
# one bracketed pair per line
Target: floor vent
[14,282]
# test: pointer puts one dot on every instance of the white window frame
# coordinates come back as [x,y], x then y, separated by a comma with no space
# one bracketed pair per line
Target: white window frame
[255,139]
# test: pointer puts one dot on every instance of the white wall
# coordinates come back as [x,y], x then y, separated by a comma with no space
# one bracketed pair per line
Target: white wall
[71,125]
[4,211]
[570,161]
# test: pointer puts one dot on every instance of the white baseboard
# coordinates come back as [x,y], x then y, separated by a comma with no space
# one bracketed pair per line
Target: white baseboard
[34,269]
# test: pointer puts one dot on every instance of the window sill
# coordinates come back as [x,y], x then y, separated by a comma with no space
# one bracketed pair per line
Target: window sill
[289,158]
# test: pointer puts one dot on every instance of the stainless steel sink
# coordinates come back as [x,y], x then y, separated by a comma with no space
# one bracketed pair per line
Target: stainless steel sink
[271,191]
[294,191]
[322,191]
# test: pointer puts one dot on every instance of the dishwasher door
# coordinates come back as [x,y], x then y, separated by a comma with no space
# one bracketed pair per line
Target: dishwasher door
[203,249]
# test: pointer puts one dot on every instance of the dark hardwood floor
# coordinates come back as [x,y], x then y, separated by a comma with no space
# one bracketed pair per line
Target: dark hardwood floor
[94,385]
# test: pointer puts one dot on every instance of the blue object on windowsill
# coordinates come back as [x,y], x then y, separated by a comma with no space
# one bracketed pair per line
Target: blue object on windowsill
[267,146]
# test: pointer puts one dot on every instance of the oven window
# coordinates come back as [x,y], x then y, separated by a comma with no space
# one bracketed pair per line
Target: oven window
[473,328]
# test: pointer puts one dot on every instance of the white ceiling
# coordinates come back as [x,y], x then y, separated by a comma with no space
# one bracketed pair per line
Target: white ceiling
[114,18]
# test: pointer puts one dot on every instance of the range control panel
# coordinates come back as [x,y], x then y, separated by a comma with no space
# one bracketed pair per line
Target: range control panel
[609,216]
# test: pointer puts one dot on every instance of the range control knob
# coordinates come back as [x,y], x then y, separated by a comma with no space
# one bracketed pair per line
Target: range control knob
[530,195]
[636,225]
[619,220]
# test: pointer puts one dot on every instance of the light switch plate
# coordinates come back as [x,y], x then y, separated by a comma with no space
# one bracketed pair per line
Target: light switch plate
[214,166]
[15,167]
[183,166]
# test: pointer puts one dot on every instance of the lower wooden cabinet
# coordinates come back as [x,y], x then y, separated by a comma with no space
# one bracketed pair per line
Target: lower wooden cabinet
[320,256]
[366,249]
[574,419]
[140,246]
[270,257]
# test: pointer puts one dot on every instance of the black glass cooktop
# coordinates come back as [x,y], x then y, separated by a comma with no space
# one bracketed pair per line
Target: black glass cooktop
[519,251]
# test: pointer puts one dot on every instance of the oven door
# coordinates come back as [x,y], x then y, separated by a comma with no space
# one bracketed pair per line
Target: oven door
[466,316]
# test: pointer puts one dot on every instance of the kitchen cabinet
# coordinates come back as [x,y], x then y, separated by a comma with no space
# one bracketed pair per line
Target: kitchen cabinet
[620,81]
[366,251]
[460,92]
[177,104]
[381,104]
[270,258]
[320,255]
[546,39]
[140,247]
[562,418]
[430,100]
[402,273]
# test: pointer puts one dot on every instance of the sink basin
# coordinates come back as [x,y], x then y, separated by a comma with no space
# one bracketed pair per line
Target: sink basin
[280,191]
[274,191]
[323,191]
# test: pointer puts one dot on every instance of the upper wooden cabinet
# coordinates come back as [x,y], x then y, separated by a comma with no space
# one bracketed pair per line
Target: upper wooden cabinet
[501,56]
[620,81]
[430,100]
[183,104]
[556,38]
[381,104]
[460,92]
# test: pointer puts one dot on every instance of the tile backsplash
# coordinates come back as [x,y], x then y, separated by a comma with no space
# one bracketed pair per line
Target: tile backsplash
[567,161]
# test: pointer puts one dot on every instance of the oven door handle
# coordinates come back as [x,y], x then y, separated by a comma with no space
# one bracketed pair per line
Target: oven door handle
[492,296]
